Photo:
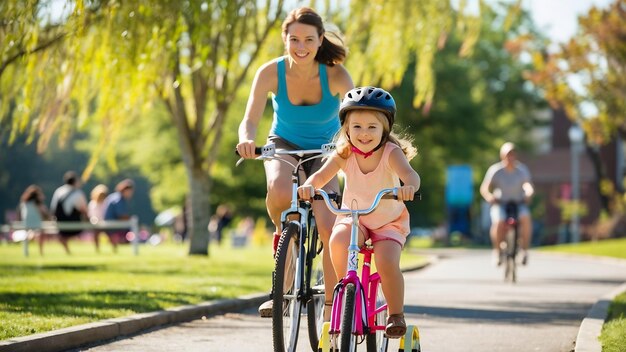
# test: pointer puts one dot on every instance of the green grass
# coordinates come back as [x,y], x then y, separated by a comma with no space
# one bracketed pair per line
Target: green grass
[613,336]
[615,248]
[39,294]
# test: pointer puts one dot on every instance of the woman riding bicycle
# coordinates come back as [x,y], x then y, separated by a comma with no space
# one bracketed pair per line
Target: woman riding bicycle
[372,158]
[306,85]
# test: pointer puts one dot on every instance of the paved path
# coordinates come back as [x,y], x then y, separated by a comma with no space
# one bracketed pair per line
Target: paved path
[460,303]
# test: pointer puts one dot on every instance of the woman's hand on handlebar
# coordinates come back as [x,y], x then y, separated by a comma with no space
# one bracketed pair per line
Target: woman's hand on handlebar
[246,149]
[306,192]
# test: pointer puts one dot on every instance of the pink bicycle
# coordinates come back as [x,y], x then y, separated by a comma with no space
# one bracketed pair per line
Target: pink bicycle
[359,310]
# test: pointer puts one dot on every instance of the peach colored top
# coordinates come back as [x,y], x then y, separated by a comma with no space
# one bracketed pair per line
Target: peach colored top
[360,190]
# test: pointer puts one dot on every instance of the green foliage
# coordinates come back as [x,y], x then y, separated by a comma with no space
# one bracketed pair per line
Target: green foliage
[158,87]
[585,78]
[596,58]
[386,37]
[481,102]
[613,337]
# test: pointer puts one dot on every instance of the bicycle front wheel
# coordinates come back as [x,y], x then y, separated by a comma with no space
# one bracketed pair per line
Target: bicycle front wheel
[377,341]
[348,339]
[315,275]
[511,252]
[287,308]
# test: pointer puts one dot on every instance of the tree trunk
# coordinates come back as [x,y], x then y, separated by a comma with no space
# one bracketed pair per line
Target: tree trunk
[598,168]
[198,215]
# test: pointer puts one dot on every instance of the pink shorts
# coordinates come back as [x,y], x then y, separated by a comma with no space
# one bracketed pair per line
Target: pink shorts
[394,231]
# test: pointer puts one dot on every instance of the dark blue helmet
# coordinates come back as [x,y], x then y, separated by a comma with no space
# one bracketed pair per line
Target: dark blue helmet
[368,98]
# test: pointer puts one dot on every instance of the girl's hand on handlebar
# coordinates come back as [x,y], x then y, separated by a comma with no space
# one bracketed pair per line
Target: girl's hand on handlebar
[245,149]
[406,193]
[306,192]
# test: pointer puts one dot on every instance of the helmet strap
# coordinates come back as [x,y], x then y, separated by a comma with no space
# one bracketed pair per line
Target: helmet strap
[368,154]
[360,152]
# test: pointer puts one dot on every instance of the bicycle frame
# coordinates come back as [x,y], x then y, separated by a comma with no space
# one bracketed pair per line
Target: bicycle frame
[302,230]
[303,210]
[511,240]
[367,284]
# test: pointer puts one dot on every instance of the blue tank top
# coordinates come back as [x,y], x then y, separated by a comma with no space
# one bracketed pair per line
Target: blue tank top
[307,126]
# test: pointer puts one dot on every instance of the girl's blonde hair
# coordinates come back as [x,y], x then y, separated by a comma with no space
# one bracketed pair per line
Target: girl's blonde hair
[99,192]
[344,146]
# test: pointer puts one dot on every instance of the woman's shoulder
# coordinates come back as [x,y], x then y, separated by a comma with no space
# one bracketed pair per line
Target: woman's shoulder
[268,69]
[271,65]
[338,71]
[266,78]
[339,79]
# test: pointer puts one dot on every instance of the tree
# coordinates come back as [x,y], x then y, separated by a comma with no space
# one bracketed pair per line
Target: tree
[102,65]
[586,77]
[481,101]
[118,59]
[387,36]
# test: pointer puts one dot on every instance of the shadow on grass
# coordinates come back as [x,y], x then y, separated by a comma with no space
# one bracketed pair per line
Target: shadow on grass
[26,269]
[617,309]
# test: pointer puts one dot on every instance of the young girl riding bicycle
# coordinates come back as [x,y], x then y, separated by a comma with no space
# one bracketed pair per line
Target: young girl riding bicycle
[372,158]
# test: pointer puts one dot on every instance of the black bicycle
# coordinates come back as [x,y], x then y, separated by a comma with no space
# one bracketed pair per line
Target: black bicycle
[297,280]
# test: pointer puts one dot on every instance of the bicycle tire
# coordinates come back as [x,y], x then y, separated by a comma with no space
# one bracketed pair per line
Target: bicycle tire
[377,341]
[315,280]
[287,309]
[511,251]
[348,339]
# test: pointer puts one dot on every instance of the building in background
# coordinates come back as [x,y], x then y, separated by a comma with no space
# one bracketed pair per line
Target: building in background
[551,169]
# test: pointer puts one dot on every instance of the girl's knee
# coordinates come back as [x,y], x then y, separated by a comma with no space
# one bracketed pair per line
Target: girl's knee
[337,244]
[387,263]
[340,235]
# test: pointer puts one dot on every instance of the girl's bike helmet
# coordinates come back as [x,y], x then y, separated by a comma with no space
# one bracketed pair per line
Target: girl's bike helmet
[368,98]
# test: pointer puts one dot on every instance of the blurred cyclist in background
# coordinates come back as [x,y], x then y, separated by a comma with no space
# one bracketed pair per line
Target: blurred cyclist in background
[508,181]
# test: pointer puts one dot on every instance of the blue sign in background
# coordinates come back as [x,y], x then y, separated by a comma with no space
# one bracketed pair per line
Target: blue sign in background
[459,185]
[459,193]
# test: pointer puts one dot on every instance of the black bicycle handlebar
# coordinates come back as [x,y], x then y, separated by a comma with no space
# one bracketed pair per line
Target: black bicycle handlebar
[257,151]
